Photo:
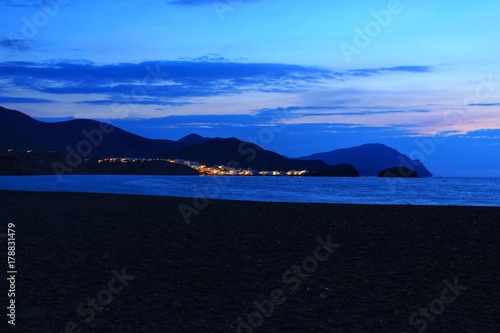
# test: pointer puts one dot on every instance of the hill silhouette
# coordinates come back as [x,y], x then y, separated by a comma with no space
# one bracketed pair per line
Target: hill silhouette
[92,140]
[21,132]
[22,163]
[192,139]
[337,170]
[239,154]
[369,159]
[398,172]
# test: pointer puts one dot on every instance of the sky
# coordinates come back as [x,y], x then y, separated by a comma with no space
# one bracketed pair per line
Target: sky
[296,77]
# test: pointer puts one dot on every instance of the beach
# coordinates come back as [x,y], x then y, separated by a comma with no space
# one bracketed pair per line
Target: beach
[127,263]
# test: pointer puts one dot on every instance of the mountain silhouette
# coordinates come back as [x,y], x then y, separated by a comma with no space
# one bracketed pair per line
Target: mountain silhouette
[36,163]
[235,153]
[92,140]
[192,139]
[21,132]
[369,159]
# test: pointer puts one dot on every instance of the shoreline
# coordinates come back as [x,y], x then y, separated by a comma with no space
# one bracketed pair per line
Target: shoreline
[111,262]
[191,198]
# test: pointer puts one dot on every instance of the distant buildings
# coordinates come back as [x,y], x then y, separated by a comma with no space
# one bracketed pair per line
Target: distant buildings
[216,170]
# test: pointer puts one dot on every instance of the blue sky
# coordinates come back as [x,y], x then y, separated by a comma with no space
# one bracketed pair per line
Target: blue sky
[296,77]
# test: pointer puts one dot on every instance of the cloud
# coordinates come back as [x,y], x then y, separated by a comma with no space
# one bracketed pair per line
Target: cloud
[27,3]
[15,44]
[361,113]
[414,69]
[383,70]
[208,2]
[290,139]
[334,110]
[174,83]
[161,80]
[211,57]
[15,3]
[54,119]
[192,122]
[133,102]
[485,104]
[24,100]
[492,133]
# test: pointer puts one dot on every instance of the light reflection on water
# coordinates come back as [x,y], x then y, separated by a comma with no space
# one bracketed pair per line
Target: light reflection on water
[363,190]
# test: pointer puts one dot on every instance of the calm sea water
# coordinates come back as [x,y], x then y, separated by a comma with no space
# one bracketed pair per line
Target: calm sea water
[366,190]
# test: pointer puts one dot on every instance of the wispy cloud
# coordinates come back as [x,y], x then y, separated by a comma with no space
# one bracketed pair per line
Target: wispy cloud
[204,2]
[210,57]
[160,80]
[132,101]
[334,110]
[24,100]
[362,113]
[240,121]
[485,104]
[177,83]
[26,3]
[15,44]
[376,71]
[492,133]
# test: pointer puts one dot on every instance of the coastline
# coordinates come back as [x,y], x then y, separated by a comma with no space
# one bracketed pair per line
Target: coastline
[341,190]
[391,262]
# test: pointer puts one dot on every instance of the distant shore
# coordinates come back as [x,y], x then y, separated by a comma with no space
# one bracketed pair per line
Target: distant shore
[29,163]
[127,263]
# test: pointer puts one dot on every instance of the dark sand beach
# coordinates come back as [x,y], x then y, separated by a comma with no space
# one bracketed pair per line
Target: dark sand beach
[123,263]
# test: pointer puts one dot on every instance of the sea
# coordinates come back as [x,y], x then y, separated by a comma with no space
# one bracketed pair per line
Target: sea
[362,190]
